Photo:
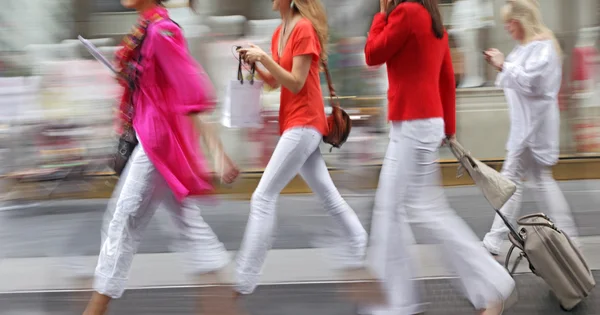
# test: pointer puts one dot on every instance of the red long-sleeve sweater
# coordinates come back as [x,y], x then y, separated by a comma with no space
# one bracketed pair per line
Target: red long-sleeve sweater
[419,66]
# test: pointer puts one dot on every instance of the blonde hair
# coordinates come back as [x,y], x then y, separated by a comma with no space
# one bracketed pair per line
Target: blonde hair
[528,14]
[314,11]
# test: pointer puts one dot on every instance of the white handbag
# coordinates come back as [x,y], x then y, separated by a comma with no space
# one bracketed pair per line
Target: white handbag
[496,188]
[242,106]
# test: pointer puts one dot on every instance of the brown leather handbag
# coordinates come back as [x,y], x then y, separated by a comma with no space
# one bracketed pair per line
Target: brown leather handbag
[339,122]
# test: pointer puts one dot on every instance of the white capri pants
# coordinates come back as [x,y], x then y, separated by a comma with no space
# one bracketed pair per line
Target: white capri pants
[410,191]
[548,196]
[296,152]
[140,193]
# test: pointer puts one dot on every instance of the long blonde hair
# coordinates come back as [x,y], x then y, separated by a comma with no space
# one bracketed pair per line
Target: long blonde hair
[528,14]
[314,11]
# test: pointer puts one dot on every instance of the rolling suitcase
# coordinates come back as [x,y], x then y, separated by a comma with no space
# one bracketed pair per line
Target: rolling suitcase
[552,256]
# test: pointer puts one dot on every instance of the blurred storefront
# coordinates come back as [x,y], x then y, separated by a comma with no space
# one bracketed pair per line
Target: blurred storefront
[219,25]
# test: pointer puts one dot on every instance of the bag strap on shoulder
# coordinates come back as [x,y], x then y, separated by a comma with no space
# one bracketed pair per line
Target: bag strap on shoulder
[332,93]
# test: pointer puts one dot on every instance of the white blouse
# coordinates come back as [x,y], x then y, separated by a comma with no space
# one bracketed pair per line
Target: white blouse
[531,79]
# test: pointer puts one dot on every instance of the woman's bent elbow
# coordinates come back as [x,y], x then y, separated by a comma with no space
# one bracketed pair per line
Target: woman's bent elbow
[372,62]
[296,88]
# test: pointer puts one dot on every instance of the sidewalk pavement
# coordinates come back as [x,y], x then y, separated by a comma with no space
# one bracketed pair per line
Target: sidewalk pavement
[72,228]
[282,267]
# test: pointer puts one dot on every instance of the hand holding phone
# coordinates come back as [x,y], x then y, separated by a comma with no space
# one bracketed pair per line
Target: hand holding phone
[494,57]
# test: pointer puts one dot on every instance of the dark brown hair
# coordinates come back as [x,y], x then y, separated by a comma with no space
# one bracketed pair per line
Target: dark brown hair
[432,7]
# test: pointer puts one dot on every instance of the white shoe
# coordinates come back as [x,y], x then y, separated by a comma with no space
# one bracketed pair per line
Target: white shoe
[351,255]
[494,251]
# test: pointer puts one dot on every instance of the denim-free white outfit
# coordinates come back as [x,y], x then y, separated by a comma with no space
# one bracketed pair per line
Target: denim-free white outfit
[139,193]
[531,79]
[296,152]
[410,193]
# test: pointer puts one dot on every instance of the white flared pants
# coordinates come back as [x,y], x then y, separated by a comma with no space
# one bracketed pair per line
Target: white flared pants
[410,191]
[550,199]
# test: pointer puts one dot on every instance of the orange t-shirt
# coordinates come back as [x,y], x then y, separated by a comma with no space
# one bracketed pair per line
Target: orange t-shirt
[307,107]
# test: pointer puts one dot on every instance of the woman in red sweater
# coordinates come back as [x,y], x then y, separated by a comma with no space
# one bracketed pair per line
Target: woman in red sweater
[409,37]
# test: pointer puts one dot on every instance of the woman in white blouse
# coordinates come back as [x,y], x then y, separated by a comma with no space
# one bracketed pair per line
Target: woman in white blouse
[531,78]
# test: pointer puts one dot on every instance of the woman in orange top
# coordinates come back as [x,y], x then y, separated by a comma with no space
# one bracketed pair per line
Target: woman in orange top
[298,46]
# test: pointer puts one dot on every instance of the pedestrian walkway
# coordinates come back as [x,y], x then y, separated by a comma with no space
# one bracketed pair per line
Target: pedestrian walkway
[72,228]
[282,267]
[295,282]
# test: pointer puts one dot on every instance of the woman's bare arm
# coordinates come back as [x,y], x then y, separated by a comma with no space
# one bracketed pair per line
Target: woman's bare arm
[224,166]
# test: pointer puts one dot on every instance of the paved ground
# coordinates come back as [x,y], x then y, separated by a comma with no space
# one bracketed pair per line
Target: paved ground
[322,299]
[72,229]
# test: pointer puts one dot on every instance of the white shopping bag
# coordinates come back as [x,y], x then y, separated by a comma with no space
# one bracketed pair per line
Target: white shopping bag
[242,105]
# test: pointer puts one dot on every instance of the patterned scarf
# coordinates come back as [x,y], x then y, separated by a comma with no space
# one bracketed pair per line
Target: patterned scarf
[128,64]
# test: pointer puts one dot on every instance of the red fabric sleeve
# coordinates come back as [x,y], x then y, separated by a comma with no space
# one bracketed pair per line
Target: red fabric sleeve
[387,35]
[448,93]
[306,41]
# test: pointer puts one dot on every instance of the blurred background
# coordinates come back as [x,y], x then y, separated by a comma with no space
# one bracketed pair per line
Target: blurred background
[56,124]
[58,101]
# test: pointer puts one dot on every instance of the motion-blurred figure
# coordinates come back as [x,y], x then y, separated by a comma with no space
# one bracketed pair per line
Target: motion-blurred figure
[586,91]
[469,17]
[531,78]
[160,105]
[409,37]
[298,47]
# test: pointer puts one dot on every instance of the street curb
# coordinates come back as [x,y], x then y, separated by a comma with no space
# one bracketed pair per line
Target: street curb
[364,178]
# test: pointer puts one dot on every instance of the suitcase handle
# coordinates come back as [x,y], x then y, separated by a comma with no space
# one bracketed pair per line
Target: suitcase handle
[550,224]
[517,242]
[512,270]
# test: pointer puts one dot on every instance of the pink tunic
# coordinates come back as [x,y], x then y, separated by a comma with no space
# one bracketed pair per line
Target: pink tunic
[171,86]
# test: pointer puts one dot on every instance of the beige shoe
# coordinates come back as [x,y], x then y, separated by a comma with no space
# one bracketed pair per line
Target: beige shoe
[499,308]
[98,304]
[217,296]
[362,287]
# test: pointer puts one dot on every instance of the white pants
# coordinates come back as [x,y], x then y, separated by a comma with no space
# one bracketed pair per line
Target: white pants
[468,41]
[548,196]
[296,152]
[141,191]
[410,192]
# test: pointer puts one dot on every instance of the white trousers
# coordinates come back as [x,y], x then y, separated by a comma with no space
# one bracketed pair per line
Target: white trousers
[296,152]
[410,191]
[519,164]
[140,193]
[468,41]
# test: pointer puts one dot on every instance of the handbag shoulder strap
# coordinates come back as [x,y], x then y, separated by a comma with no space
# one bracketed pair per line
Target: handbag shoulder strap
[332,93]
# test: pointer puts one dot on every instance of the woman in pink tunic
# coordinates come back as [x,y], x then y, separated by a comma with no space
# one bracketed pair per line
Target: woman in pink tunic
[161,102]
